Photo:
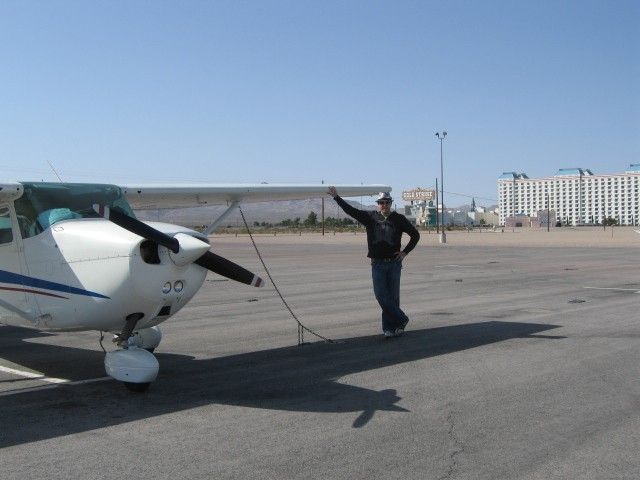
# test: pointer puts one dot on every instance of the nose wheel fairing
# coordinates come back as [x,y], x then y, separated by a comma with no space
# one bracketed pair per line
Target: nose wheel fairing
[132,365]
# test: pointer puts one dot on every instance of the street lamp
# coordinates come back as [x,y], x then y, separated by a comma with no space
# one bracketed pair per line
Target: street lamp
[441,137]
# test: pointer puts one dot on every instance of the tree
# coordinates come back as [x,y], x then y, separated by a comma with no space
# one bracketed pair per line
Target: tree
[311,220]
[609,222]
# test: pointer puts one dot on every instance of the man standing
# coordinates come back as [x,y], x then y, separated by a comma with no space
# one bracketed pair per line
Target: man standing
[384,233]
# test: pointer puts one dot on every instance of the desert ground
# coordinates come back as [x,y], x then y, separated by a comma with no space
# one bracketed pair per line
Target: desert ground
[521,361]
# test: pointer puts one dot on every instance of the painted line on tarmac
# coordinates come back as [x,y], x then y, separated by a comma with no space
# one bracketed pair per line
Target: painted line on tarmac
[54,385]
[32,375]
[635,290]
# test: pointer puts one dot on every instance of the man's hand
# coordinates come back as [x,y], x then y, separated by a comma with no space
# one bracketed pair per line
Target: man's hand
[332,191]
[400,256]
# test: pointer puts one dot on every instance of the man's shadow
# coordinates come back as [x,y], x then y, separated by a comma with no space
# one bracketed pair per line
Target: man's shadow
[301,379]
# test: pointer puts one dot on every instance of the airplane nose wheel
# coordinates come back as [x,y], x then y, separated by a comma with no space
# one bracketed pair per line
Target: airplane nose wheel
[132,365]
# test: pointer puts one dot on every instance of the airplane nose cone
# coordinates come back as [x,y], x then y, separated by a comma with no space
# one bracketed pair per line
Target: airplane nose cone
[190,250]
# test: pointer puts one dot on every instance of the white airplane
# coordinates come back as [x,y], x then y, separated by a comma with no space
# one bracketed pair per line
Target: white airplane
[74,257]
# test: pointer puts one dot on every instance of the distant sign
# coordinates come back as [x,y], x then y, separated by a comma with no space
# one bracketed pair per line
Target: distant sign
[418,194]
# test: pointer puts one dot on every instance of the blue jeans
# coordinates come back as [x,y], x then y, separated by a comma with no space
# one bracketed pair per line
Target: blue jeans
[386,287]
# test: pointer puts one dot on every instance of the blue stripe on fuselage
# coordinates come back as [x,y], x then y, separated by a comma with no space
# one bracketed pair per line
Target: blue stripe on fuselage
[22,280]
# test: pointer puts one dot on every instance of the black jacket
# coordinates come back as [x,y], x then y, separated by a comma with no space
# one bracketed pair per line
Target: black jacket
[383,234]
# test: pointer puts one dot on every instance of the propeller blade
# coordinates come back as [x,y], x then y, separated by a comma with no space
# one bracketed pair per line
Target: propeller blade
[139,228]
[228,269]
[209,260]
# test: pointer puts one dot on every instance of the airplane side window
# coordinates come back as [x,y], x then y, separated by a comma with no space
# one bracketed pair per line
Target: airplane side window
[6,233]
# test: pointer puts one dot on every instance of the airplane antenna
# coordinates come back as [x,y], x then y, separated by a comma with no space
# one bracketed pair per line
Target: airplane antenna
[301,326]
[54,171]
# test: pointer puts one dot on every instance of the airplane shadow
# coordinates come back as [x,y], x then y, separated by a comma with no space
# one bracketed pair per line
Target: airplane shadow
[301,379]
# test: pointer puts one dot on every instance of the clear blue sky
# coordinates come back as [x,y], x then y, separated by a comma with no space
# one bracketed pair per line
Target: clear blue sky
[300,91]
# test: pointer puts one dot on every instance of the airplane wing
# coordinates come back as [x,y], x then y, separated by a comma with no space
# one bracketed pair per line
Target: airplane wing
[146,197]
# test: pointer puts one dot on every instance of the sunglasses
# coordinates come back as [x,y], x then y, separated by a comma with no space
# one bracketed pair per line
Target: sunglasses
[384,202]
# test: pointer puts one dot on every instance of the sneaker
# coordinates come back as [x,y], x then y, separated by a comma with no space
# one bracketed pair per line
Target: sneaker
[399,331]
[389,334]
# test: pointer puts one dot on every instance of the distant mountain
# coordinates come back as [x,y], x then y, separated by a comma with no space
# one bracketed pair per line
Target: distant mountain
[467,207]
[271,212]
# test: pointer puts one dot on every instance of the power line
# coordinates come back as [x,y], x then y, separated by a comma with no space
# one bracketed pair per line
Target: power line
[472,196]
[469,196]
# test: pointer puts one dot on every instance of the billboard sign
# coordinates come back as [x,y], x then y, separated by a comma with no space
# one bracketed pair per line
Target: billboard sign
[419,194]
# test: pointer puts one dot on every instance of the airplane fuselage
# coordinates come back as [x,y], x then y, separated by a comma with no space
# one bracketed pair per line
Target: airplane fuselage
[89,274]
[100,277]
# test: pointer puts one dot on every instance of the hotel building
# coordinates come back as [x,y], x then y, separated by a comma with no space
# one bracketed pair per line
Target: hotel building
[576,195]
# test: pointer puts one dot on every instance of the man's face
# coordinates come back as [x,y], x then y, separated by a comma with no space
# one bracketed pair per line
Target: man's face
[384,206]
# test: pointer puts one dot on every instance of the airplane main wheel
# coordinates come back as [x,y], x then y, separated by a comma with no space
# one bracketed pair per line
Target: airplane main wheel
[137,387]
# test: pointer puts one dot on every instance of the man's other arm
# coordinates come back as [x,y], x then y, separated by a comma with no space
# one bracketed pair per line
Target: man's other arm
[413,234]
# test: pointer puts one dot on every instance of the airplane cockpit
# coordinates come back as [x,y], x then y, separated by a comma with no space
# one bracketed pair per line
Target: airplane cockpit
[44,204]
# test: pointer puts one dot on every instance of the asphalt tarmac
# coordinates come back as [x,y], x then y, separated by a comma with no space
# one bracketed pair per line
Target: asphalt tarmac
[518,363]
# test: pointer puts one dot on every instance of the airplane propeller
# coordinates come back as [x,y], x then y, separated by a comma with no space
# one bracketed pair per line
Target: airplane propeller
[185,247]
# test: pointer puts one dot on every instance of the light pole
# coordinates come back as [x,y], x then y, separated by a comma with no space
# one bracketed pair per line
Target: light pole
[548,219]
[437,215]
[443,236]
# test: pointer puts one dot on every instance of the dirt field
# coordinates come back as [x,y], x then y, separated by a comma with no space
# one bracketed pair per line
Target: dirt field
[557,237]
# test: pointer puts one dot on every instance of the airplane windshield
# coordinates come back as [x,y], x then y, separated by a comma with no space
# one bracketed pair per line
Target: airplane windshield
[44,204]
